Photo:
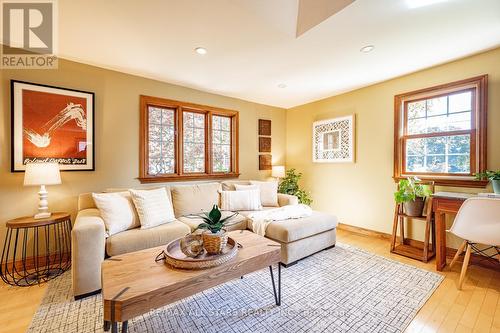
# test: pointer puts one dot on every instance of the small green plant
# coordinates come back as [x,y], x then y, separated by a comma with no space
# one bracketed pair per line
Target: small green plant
[290,185]
[409,189]
[488,174]
[212,220]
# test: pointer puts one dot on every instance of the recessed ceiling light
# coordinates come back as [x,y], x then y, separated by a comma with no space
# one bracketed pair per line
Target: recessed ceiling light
[281,85]
[200,50]
[422,3]
[367,49]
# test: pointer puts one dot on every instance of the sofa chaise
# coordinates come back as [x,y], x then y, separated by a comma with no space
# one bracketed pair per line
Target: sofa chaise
[299,238]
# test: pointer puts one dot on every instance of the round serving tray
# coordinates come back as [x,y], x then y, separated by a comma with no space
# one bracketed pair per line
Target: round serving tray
[175,258]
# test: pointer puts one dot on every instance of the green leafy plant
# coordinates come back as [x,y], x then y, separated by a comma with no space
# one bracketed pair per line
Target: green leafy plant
[290,185]
[409,189]
[212,220]
[488,174]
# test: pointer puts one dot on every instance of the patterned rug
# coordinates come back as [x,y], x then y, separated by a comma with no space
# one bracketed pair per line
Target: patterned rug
[344,289]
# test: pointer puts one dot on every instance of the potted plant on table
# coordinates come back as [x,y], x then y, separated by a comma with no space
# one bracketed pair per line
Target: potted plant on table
[412,195]
[493,177]
[214,236]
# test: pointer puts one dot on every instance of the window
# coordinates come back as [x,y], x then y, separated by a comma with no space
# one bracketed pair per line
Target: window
[186,141]
[440,133]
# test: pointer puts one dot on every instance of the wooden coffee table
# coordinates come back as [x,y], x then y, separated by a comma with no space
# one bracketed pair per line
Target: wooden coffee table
[134,283]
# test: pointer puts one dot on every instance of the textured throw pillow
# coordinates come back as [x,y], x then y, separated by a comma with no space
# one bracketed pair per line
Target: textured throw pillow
[153,207]
[117,210]
[268,193]
[240,200]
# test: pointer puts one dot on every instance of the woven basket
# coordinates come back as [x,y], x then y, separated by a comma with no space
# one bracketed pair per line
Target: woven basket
[214,243]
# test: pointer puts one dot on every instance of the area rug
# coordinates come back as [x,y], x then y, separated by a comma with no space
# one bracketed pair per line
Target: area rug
[343,289]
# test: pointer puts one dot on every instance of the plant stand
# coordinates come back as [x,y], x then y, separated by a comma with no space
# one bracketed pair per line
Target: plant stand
[407,247]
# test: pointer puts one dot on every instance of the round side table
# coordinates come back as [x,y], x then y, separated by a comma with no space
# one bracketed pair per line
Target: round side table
[36,251]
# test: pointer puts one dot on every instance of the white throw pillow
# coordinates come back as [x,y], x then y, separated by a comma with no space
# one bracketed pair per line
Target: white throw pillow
[240,200]
[117,210]
[240,187]
[153,207]
[268,193]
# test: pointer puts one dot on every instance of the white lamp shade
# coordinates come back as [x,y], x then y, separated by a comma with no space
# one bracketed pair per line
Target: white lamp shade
[278,171]
[42,174]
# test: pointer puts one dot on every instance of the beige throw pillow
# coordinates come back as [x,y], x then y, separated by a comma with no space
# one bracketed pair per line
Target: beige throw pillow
[240,200]
[268,192]
[153,207]
[117,210]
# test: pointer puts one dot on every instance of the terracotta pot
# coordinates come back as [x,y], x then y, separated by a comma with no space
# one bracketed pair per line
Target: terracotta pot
[214,243]
[414,208]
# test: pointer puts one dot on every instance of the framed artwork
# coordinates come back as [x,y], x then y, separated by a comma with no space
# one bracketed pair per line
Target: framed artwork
[333,140]
[264,144]
[265,162]
[51,124]
[264,127]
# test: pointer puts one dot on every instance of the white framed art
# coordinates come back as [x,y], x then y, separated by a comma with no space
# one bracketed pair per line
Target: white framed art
[333,140]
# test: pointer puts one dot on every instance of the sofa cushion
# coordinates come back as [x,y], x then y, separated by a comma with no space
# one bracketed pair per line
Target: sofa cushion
[240,200]
[153,207]
[140,239]
[240,221]
[268,192]
[194,199]
[287,231]
[228,185]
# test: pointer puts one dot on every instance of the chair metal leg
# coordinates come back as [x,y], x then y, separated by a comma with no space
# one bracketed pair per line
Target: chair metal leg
[459,252]
[464,267]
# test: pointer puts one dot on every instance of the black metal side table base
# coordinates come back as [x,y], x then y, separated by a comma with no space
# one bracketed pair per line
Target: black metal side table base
[36,251]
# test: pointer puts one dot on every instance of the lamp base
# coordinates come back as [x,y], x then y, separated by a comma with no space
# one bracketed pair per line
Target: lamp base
[43,215]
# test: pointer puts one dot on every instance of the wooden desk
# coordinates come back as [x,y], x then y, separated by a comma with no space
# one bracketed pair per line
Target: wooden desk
[445,203]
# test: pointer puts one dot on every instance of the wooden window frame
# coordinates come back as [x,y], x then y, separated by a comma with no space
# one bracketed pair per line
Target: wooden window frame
[180,108]
[478,152]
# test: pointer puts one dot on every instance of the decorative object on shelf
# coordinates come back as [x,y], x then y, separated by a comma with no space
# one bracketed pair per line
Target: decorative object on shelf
[265,162]
[42,174]
[412,194]
[52,124]
[46,263]
[333,140]
[175,257]
[278,171]
[265,127]
[290,185]
[192,245]
[493,177]
[215,236]
[264,144]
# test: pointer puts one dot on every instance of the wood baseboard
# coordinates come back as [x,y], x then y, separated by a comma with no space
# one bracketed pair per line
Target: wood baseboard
[41,260]
[450,252]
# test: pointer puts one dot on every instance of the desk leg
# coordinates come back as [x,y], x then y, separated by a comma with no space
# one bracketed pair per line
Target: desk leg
[440,241]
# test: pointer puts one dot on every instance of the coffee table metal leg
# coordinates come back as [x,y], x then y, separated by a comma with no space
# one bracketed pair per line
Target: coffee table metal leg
[106,326]
[277,295]
[279,284]
[114,327]
[124,326]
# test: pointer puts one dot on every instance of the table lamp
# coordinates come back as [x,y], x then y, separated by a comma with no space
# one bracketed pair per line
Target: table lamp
[42,174]
[278,171]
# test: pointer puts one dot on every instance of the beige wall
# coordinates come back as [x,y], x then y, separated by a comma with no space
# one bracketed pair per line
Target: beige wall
[361,194]
[117,133]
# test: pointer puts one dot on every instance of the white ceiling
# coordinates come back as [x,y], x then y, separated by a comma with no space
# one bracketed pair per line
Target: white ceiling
[252,46]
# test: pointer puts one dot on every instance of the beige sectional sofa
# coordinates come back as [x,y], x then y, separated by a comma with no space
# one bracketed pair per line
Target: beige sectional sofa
[90,246]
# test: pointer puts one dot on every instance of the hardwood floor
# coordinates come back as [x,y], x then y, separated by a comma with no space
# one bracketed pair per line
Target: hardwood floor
[474,309]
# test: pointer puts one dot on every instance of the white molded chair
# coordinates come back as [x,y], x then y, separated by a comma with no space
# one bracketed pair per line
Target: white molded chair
[477,221]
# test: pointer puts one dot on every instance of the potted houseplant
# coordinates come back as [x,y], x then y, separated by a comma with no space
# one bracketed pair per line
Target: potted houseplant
[493,177]
[214,236]
[412,195]
[290,185]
